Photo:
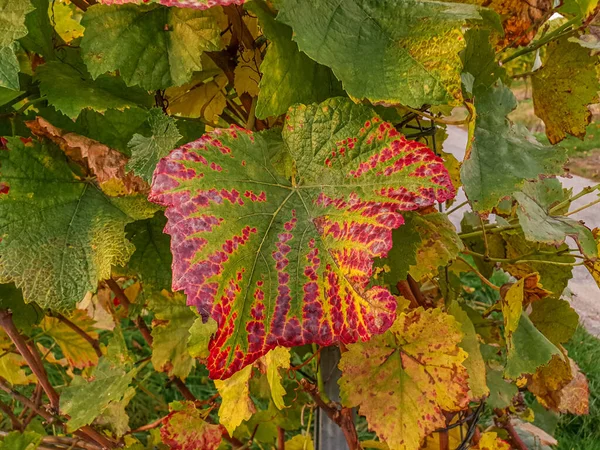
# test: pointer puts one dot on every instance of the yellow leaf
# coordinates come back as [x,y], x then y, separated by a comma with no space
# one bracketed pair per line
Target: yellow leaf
[299,442]
[66,20]
[76,349]
[512,307]
[236,404]
[247,73]
[278,358]
[10,369]
[491,441]
[204,96]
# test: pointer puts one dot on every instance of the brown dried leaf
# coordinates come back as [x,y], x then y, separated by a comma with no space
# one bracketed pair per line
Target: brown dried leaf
[105,163]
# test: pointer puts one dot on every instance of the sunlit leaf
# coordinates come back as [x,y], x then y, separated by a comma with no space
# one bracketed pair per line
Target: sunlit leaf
[236,404]
[402,380]
[293,278]
[408,49]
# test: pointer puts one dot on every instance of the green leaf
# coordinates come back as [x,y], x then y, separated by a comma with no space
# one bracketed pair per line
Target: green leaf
[502,391]
[527,347]
[85,400]
[555,319]
[151,261]
[115,415]
[15,440]
[41,38]
[470,344]
[502,156]
[303,252]
[147,151]
[391,51]
[289,75]
[9,69]
[479,59]
[564,88]
[402,380]
[113,127]
[71,91]
[24,315]
[57,227]
[171,332]
[200,334]
[12,20]
[185,429]
[151,46]
[540,226]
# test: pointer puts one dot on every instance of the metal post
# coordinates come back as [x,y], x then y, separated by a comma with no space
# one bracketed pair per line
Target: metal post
[329,435]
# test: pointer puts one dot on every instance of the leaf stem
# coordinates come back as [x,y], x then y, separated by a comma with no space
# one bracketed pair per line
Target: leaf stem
[492,228]
[457,207]
[479,274]
[575,211]
[34,363]
[439,119]
[519,260]
[567,202]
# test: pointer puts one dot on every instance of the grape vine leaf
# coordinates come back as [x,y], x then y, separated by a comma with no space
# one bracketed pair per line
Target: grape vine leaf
[151,261]
[85,400]
[184,428]
[192,4]
[40,38]
[106,164]
[527,348]
[200,334]
[115,416]
[560,386]
[150,45]
[12,364]
[60,233]
[71,91]
[201,97]
[278,358]
[12,20]
[470,344]
[539,225]
[479,59]
[502,391]
[236,404]
[146,151]
[24,315]
[9,69]
[563,88]
[439,243]
[293,279]
[289,76]
[21,440]
[555,319]
[594,266]
[490,441]
[402,380]
[79,352]
[170,332]
[502,156]
[247,72]
[408,49]
[67,27]
[299,442]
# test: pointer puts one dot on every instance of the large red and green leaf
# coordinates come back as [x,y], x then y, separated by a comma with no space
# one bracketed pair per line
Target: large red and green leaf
[280,262]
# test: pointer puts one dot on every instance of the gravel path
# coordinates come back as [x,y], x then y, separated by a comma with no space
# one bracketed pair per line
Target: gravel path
[585,294]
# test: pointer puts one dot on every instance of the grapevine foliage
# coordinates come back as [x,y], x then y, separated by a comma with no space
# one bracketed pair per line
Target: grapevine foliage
[201,199]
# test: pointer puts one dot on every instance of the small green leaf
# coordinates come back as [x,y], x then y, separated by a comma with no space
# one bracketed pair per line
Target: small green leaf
[16,440]
[150,45]
[555,319]
[171,332]
[71,91]
[540,226]
[501,391]
[200,334]
[147,151]
[24,315]
[12,20]
[9,69]
[85,400]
